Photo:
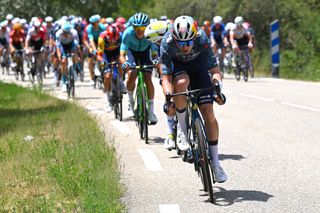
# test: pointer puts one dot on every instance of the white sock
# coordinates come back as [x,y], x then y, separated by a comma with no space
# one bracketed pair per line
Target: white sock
[151,106]
[182,121]
[130,94]
[107,96]
[214,155]
[170,120]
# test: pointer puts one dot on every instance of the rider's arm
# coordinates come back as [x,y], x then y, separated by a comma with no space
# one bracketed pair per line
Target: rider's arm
[28,39]
[123,48]
[232,40]
[101,44]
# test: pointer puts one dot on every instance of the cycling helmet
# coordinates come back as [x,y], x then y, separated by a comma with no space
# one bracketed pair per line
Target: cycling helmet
[153,20]
[36,23]
[17,26]
[156,30]
[140,19]
[184,28]
[15,20]
[113,33]
[238,20]
[48,19]
[94,18]
[121,20]
[4,23]
[217,20]
[163,18]
[9,17]
[23,21]
[66,27]
[229,26]
[206,23]
[109,20]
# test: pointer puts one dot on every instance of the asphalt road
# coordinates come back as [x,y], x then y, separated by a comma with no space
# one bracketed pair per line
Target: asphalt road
[269,147]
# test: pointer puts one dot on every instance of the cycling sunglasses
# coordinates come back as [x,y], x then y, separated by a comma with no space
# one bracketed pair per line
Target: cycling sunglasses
[140,28]
[184,43]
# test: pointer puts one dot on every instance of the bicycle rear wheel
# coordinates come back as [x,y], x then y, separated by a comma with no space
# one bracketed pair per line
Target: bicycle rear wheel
[203,157]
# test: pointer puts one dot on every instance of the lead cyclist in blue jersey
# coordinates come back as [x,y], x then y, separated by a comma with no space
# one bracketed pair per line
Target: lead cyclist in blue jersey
[186,60]
[138,49]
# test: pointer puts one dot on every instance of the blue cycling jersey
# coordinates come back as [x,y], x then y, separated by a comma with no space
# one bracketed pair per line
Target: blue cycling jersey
[218,33]
[94,34]
[130,42]
[169,51]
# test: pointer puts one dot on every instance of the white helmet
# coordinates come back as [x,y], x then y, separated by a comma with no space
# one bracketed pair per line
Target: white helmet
[184,28]
[228,26]
[217,20]
[156,30]
[48,19]
[15,20]
[238,20]
[37,23]
[9,17]
[23,21]
[4,23]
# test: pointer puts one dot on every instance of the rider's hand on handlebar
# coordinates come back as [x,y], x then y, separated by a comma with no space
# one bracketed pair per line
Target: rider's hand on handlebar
[125,65]
[250,45]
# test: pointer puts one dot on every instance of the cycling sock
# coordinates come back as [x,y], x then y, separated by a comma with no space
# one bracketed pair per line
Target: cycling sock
[107,96]
[170,120]
[214,153]
[151,106]
[79,66]
[130,94]
[181,114]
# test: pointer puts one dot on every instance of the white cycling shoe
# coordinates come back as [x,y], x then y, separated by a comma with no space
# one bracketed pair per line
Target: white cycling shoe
[218,174]
[183,144]
[169,142]
[152,118]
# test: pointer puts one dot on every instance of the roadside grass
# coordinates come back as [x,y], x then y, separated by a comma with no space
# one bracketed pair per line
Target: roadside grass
[67,167]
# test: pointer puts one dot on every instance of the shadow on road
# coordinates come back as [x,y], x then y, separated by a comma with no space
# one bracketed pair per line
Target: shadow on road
[230,157]
[157,140]
[87,98]
[229,197]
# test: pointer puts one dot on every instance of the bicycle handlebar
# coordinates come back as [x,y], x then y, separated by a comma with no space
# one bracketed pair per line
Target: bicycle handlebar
[141,67]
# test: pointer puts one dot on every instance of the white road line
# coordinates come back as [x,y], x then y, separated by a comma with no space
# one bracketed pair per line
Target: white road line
[256,97]
[169,208]
[121,127]
[90,108]
[62,97]
[150,160]
[301,107]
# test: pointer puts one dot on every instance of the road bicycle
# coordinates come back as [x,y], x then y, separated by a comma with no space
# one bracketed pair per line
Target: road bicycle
[141,100]
[197,136]
[242,60]
[71,75]
[116,90]
[36,68]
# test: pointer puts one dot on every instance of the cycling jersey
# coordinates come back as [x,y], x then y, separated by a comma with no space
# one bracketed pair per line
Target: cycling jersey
[34,35]
[94,34]
[217,33]
[170,52]
[16,37]
[105,45]
[4,36]
[238,32]
[130,42]
[66,38]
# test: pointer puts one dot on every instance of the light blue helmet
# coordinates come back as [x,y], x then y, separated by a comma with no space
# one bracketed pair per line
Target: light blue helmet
[94,18]
[140,19]
[66,27]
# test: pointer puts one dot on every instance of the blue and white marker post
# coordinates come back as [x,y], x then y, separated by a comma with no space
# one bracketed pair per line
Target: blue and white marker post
[275,54]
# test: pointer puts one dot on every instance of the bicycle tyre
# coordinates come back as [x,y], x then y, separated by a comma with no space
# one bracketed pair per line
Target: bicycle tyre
[204,161]
[245,74]
[145,118]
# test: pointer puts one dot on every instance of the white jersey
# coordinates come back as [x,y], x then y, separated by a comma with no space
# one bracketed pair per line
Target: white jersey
[67,38]
[5,35]
[238,32]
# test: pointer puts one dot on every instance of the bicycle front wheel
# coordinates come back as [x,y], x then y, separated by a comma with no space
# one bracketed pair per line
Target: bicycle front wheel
[203,158]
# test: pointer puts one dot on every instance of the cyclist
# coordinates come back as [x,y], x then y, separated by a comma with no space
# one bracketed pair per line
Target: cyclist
[108,51]
[66,42]
[187,60]
[154,32]
[94,29]
[206,28]
[218,39]
[240,38]
[17,43]
[137,48]
[4,40]
[36,37]
[9,19]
